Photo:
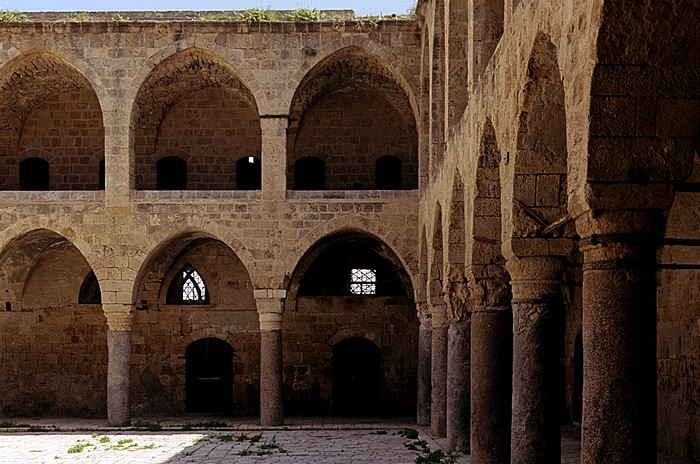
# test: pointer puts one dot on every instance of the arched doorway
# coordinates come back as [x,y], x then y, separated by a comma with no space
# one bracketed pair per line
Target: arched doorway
[209,376]
[355,377]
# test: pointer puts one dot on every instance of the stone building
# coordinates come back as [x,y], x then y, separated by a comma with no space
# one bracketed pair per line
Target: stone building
[487,216]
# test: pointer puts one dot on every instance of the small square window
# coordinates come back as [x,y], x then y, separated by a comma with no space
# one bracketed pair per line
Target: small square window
[363,281]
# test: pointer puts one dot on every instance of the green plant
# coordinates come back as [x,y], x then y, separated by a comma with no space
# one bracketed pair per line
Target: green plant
[105,439]
[255,15]
[305,14]
[12,424]
[12,16]
[411,434]
[204,425]
[119,18]
[78,17]
[225,438]
[78,448]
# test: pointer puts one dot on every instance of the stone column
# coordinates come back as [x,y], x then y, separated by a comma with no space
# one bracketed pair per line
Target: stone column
[619,336]
[270,304]
[119,321]
[438,368]
[458,366]
[274,156]
[424,372]
[535,429]
[491,384]
[119,153]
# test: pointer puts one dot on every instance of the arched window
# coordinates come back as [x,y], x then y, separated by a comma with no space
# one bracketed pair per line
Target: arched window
[248,173]
[171,173]
[34,174]
[309,174]
[90,290]
[363,281]
[187,287]
[389,173]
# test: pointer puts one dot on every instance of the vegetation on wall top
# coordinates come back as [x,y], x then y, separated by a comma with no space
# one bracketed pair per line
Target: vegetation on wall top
[12,16]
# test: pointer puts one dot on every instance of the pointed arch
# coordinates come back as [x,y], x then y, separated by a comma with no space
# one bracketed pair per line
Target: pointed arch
[331,117]
[44,320]
[320,295]
[190,100]
[40,94]
[539,174]
[436,266]
[187,287]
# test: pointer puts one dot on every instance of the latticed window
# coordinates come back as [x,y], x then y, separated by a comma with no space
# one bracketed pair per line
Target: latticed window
[187,287]
[363,281]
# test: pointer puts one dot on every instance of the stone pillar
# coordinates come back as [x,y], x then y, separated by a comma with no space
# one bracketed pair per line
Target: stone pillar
[270,304]
[491,384]
[119,154]
[458,366]
[619,336]
[119,320]
[424,372]
[535,429]
[438,368]
[274,156]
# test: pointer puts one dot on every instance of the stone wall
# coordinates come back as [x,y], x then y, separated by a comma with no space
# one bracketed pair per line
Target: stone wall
[315,324]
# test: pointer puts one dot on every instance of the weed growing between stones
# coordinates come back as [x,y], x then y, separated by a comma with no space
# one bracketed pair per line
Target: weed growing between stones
[426,455]
[105,443]
[256,445]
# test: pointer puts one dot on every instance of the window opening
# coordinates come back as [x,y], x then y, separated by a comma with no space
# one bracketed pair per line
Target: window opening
[171,173]
[187,287]
[248,173]
[34,174]
[90,290]
[389,172]
[309,174]
[363,281]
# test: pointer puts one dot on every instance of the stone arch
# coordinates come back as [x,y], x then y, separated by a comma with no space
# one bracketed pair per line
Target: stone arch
[437,87]
[162,329]
[644,112]
[191,101]
[321,309]
[538,186]
[398,246]
[485,263]
[49,335]
[331,115]
[436,259]
[40,95]
[457,65]
[455,280]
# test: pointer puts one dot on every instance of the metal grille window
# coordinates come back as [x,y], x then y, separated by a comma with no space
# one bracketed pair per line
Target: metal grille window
[188,287]
[363,281]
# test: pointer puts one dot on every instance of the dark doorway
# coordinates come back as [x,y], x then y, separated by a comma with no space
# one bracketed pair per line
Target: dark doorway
[248,173]
[578,380]
[209,377]
[389,173]
[309,174]
[34,174]
[355,378]
[171,173]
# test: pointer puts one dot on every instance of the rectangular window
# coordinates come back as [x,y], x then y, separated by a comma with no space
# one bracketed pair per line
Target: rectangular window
[363,281]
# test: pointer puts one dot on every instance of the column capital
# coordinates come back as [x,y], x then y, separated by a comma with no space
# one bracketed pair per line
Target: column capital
[534,278]
[119,316]
[619,238]
[270,303]
[424,316]
[456,295]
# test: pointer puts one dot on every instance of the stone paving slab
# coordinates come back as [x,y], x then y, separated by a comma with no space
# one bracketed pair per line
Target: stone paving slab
[307,440]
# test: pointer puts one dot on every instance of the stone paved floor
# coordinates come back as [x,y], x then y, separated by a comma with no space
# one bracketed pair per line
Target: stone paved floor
[300,441]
